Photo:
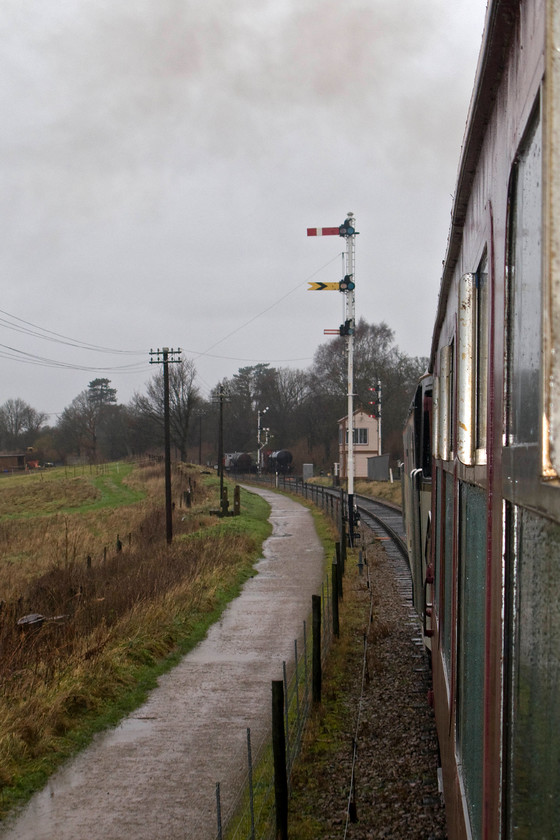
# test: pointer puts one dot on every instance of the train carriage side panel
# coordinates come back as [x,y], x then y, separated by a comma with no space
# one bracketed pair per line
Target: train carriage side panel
[417,489]
[468,363]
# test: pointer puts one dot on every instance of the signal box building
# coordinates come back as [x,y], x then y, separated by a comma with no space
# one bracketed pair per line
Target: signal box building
[366,443]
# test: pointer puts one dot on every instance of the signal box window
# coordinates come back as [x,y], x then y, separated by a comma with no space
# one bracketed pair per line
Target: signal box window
[359,436]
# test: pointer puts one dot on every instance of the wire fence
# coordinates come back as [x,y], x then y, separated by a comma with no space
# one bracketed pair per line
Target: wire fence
[251,810]
[250,813]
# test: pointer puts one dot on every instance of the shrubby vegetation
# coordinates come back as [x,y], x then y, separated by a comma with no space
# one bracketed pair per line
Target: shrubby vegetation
[304,407]
[95,604]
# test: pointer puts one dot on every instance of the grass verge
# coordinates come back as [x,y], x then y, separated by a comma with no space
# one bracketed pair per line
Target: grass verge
[327,734]
[53,702]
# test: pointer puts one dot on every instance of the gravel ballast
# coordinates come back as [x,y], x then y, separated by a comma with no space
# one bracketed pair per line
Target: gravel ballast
[374,710]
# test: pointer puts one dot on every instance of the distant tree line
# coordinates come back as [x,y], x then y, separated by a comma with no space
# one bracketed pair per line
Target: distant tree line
[303,409]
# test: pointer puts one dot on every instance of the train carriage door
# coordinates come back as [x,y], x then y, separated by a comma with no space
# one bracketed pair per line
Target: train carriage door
[471,635]
[531,771]
[551,272]
[532,677]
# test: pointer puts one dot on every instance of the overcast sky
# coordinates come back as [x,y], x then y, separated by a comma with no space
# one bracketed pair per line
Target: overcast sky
[161,161]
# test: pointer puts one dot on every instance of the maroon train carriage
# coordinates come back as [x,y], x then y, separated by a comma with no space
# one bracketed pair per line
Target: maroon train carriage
[493,538]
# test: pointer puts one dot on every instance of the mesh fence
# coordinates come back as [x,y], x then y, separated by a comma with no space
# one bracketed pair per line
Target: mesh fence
[250,813]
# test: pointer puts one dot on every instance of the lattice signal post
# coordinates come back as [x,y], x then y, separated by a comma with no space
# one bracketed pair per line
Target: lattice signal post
[165,357]
[347,285]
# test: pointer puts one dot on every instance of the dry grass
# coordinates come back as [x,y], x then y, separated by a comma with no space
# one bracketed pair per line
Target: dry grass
[386,490]
[116,609]
[60,520]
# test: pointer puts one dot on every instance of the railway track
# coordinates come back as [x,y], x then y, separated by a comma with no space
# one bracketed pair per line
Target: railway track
[385,522]
[388,518]
[395,704]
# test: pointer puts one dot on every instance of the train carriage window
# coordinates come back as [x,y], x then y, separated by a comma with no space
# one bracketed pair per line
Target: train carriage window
[473,366]
[481,387]
[445,402]
[524,305]
[435,418]
[465,369]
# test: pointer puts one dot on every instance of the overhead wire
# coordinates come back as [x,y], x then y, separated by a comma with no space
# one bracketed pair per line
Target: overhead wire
[43,361]
[59,338]
[268,308]
[21,325]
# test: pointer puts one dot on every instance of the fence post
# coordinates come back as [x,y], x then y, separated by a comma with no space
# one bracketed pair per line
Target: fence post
[316,673]
[297,682]
[287,716]
[219,811]
[279,752]
[340,567]
[237,500]
[250,769]
[305,668]
[334,591]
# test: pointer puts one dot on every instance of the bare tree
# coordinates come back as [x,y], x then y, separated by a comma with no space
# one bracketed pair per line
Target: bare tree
[88,415]
[184,396]
[376,358]
[19,423]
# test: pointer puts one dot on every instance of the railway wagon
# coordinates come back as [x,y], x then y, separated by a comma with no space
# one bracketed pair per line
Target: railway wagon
[494,542]
[280,461]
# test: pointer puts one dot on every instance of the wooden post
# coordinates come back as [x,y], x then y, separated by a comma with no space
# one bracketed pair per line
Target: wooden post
[334,591]
[316,673]
[237,500]
[279,752]
[224,504]
[340,566]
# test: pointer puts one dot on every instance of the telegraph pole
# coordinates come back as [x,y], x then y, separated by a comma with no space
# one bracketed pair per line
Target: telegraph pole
[347,285]
[165,357]
[221,444]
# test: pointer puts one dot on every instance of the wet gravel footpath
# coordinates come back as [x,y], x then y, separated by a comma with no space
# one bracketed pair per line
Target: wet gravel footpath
[379,712]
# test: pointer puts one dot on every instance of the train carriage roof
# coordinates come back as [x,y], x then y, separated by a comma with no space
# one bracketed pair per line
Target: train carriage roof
[501,16]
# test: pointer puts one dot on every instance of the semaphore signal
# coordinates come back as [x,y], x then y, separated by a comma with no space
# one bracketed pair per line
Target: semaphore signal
[347,285]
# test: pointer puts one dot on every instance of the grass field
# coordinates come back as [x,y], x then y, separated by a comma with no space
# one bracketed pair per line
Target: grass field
[86,550]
